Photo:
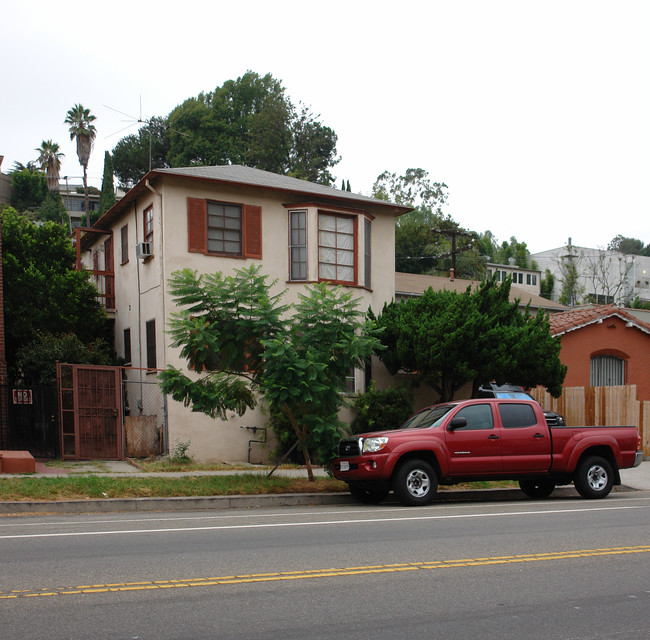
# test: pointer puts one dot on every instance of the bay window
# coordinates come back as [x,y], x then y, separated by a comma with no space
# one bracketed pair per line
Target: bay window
[337,247]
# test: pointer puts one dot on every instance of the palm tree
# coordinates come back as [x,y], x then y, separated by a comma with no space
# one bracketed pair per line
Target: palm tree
[49,159]
[83,130]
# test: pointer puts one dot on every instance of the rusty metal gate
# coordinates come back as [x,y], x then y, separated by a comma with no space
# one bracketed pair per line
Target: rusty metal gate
[90,404]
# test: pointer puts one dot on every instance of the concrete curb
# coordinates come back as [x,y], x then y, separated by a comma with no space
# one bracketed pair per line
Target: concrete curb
[143,505]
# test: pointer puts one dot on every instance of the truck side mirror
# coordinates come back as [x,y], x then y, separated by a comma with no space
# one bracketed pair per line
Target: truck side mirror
[457,423]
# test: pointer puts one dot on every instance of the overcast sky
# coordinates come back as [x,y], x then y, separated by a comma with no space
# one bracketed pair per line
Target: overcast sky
[535,114]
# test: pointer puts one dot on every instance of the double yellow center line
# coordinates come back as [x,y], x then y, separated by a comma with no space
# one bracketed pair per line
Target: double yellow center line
[319,573]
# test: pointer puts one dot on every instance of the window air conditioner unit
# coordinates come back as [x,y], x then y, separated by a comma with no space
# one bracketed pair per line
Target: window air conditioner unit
[143,250]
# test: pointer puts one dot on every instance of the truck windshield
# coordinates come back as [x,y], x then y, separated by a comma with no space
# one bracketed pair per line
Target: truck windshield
[430,417]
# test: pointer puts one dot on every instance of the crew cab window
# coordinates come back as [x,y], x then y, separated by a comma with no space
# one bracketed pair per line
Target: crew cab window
[515,416]
[478,416]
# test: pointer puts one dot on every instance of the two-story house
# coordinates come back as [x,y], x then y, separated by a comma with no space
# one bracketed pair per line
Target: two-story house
[219,219]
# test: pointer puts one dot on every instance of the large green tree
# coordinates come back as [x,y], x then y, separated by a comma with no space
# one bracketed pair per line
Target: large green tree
[37,360]
[49,160]
[426,239]
[313,152]
[28,189]
[628,245]
[243,344]
[81,128]
[134,155]
[248,121]
[42,290]
[512,252]
[448,339]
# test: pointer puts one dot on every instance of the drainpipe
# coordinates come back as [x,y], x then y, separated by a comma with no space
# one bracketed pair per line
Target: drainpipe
[160,247]
[137,270]
[163,274]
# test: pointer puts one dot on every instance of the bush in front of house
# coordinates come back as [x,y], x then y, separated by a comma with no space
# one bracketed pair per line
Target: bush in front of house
[378,410]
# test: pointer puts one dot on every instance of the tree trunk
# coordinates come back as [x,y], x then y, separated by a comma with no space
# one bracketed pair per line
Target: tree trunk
[86,201]
[301,438]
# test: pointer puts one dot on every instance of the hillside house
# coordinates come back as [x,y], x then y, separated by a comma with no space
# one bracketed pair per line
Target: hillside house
[219,219]
[604,345]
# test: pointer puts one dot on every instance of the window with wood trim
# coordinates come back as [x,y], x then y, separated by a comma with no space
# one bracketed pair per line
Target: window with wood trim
[225,233]
[151,344]
[148,225]
[127,346]
[224,228]
[350,384]
[337,247]
[367,280]
[297,245]
[124,236]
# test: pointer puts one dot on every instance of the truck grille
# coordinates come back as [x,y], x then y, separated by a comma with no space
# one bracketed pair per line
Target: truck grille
[349,447]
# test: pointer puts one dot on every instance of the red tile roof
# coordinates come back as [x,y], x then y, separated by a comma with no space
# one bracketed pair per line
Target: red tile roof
[581,317]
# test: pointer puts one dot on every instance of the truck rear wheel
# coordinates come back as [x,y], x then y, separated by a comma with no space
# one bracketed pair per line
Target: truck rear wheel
[368,496]
[594,477]
[415,483]
[541,488]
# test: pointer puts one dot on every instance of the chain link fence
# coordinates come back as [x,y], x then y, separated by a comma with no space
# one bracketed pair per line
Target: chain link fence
[145,415]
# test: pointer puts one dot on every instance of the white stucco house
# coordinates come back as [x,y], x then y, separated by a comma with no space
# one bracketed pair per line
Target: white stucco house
[219,219]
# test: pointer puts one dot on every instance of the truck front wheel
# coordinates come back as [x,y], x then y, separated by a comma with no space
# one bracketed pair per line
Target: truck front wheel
[594,477]
[415,483]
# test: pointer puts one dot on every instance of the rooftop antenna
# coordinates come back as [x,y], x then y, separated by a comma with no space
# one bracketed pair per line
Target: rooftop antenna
[133,121]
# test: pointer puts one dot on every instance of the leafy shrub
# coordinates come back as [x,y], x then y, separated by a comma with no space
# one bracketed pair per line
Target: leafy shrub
[378,410]
[178,454]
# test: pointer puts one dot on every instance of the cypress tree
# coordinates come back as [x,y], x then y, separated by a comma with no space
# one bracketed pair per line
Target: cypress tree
[107,197]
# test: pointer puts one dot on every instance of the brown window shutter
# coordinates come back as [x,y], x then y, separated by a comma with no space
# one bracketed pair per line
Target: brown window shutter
[196,225]
[252,231]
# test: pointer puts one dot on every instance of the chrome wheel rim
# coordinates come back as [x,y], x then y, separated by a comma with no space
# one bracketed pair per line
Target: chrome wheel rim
[418,483]
[597,478]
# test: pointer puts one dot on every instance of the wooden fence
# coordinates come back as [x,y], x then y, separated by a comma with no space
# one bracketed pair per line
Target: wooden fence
[600,406]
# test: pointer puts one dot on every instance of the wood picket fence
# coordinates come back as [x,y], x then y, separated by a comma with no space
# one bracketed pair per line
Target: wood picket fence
[606,406]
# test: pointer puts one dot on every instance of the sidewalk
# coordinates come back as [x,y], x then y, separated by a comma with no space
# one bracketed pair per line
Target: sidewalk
[632,480]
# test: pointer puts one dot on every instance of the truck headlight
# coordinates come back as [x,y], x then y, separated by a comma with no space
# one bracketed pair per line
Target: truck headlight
[372,445]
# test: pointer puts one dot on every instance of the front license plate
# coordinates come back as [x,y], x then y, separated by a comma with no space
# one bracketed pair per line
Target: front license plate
[345,466]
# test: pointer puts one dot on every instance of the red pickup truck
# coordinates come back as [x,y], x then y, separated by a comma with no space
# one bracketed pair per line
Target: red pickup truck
[484,439]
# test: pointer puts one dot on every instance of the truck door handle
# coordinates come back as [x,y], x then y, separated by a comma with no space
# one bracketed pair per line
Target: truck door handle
[493,437]
[538,435]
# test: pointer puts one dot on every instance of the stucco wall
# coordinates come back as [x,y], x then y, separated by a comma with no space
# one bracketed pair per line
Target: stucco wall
[612,337]
[142,292]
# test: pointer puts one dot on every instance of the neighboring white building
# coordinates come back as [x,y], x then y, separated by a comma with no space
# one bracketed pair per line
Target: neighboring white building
[73,201]
[524,279]
[223,218]
[601,276]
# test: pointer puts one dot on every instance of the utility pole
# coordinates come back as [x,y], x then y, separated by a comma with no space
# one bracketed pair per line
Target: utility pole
[453,234]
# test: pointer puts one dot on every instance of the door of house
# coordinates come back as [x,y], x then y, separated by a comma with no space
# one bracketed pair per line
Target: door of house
[91,412]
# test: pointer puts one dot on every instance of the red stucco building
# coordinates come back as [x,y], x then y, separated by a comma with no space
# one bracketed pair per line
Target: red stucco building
[604,345]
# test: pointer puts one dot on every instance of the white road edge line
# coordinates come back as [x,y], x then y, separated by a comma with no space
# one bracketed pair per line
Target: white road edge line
[271,525]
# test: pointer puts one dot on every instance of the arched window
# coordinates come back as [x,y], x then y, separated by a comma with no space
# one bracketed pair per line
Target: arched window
[607,371]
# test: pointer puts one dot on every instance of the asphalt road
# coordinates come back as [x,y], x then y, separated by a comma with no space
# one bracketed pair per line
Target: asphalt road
[562,568]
